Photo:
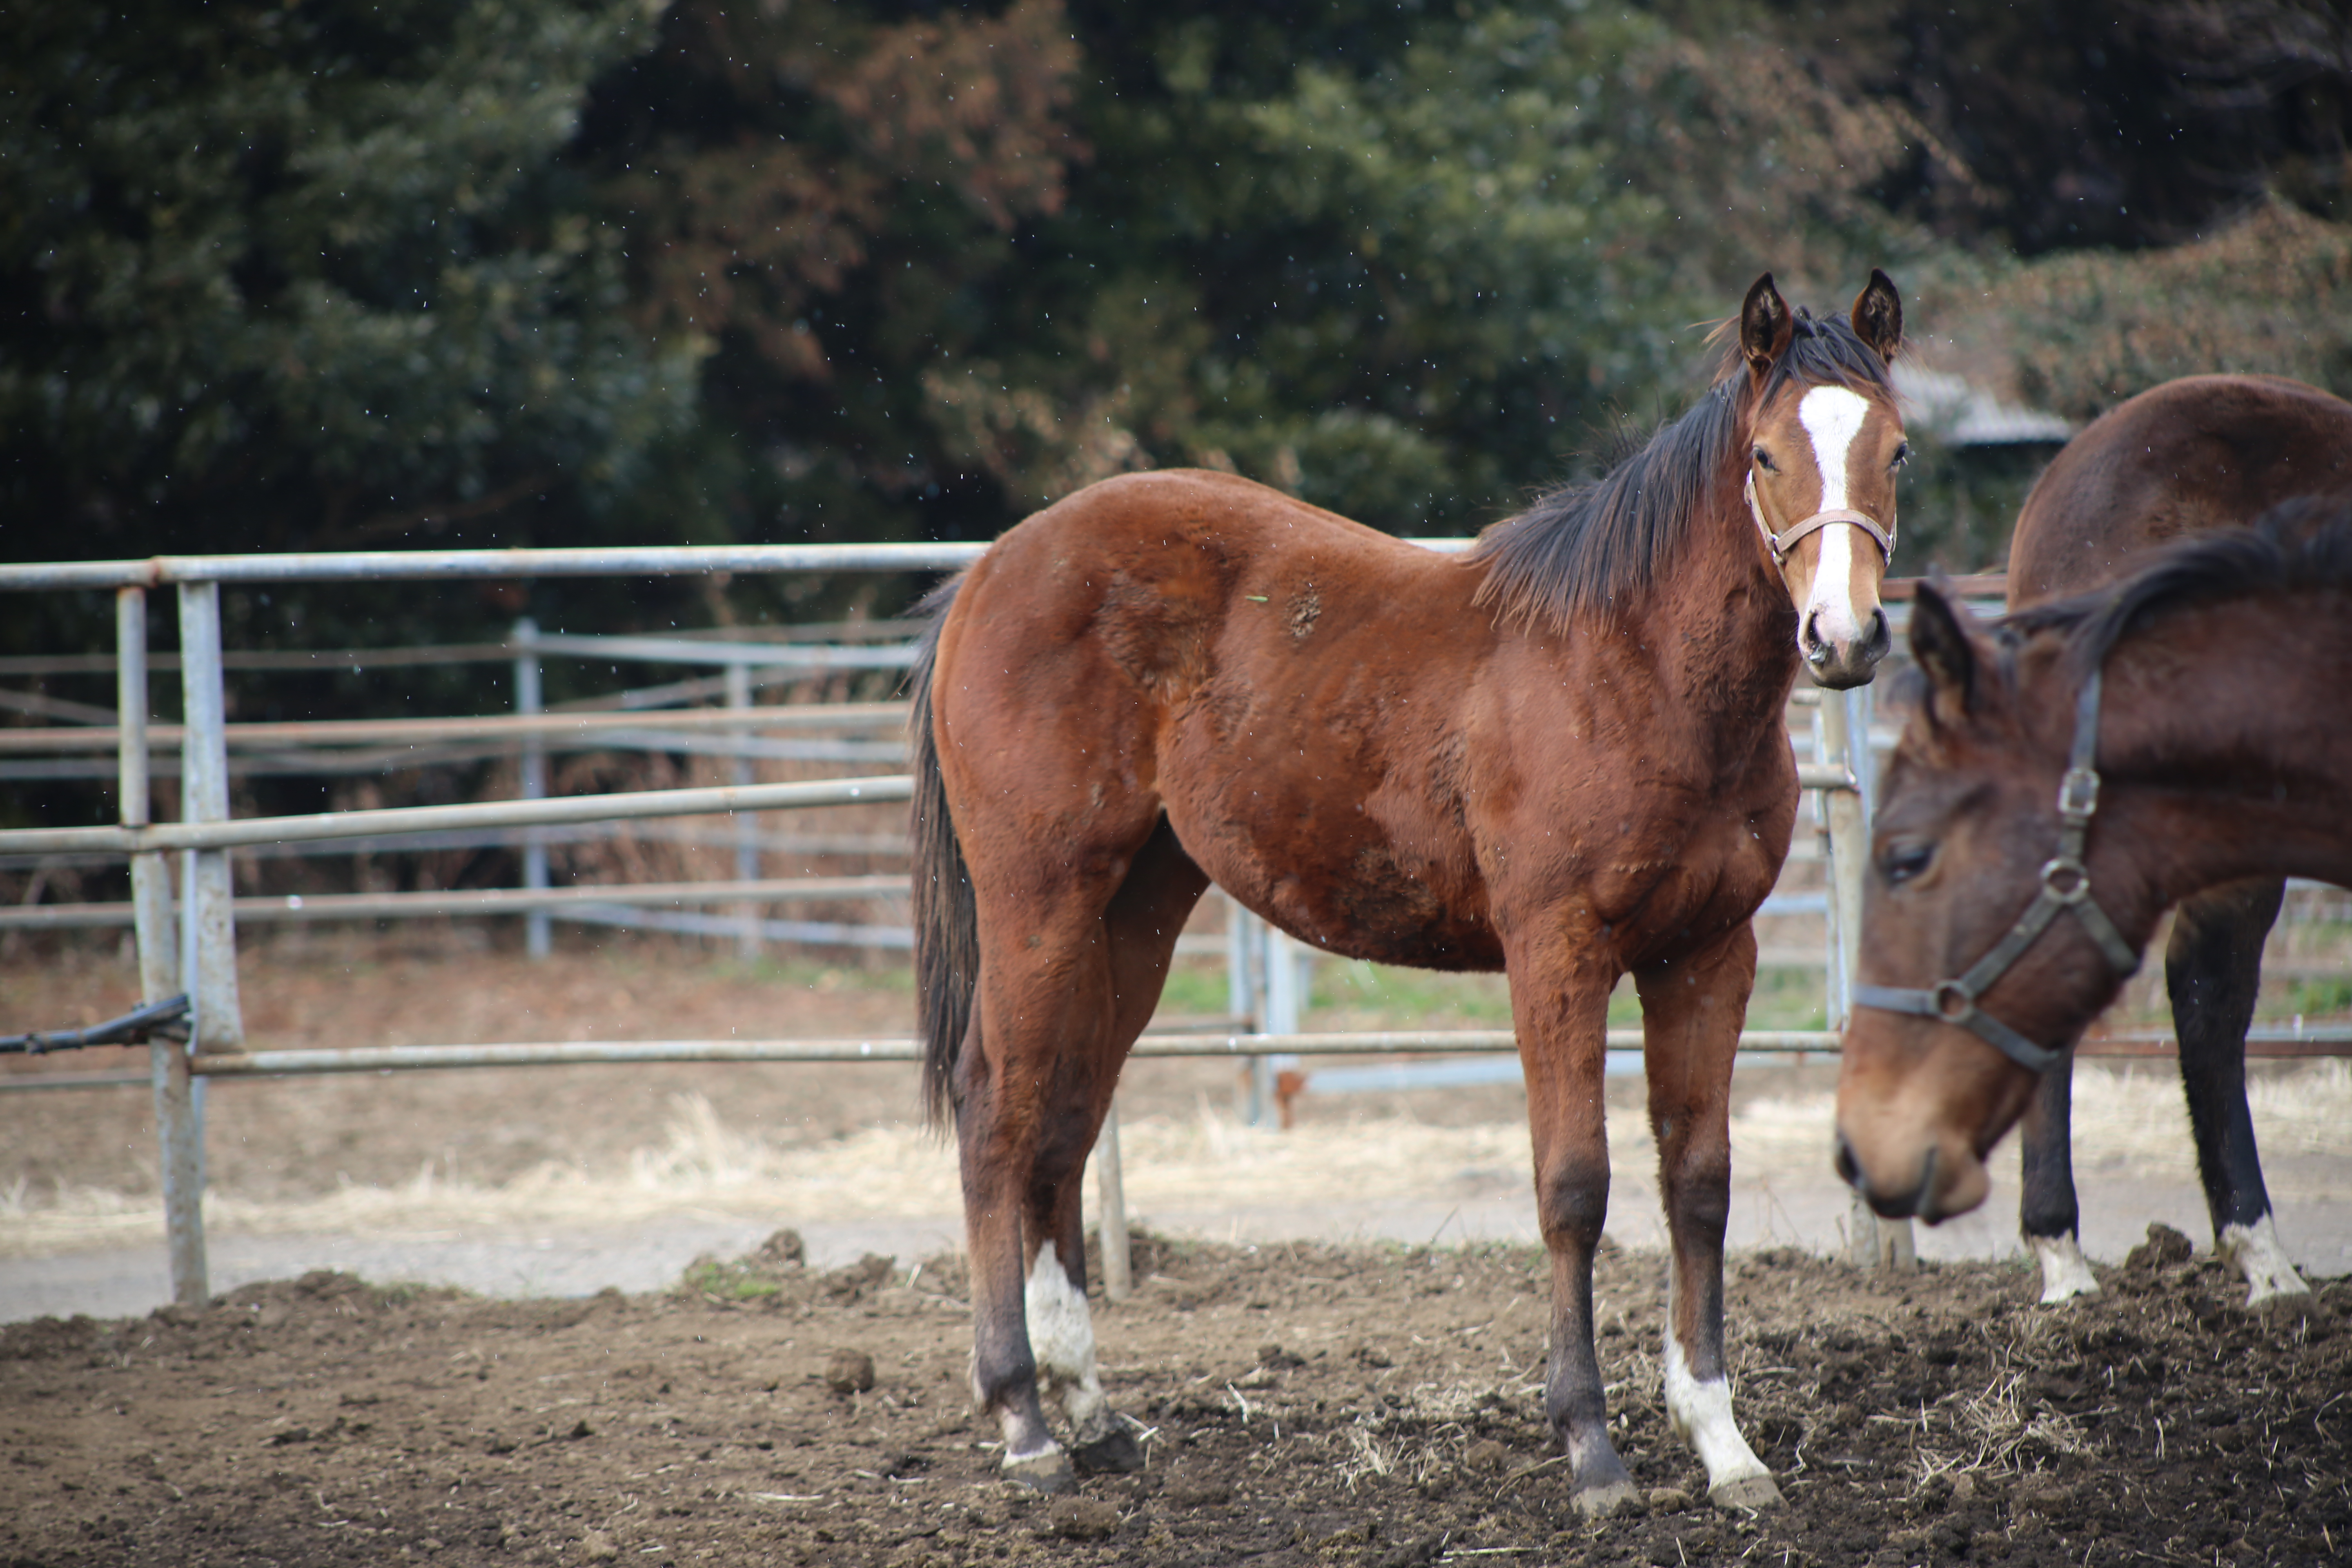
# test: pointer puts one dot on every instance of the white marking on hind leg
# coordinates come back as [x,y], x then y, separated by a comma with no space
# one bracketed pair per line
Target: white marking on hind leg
[1701,1414]
[2065,1272]
[1062,1338]
[2261,1258]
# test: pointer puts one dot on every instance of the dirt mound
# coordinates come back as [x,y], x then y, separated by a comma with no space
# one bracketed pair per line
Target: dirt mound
[1311,1405]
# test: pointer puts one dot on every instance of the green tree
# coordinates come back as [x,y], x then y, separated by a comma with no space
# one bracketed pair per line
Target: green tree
[311,277]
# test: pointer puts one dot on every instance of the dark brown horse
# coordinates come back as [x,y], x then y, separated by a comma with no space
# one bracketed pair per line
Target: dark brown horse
[2053,793]
[1562,754]
[2194,454]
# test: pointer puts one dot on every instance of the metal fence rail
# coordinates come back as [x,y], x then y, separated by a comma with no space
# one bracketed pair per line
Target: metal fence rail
[201,951]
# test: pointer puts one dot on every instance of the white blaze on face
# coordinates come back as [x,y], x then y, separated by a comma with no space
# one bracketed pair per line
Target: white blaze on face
[1062,1338]
[1832,416]
[1701,1414]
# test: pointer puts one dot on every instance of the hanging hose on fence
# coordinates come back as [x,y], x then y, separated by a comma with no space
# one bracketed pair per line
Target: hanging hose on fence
[166,1020]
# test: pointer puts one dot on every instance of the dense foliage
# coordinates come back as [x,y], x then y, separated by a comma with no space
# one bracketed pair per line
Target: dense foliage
[443,272]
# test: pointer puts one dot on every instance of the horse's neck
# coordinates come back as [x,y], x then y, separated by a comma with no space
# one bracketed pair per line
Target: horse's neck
[1722,631]
[2237,762]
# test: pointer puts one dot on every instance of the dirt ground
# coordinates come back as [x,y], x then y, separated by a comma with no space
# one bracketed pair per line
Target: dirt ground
[1313,1403]
[1310,1406]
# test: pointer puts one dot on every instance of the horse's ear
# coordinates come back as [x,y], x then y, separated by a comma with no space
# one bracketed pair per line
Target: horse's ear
[1765,327]
[1945,652]
[1878,315]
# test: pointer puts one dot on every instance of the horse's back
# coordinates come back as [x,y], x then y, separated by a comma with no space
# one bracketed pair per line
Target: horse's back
[2191,456]
[1144,576]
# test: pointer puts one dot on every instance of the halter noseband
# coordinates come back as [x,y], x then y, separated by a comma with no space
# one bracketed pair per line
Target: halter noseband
[2065,885]
[1780,543]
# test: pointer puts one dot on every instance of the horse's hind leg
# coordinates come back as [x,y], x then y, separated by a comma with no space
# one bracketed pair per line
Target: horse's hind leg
[1691,1014]
[2213,968]
[2048,1214]
[1065,989]
[1138,942]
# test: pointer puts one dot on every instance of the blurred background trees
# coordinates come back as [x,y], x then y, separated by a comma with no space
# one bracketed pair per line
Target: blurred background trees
[488,272]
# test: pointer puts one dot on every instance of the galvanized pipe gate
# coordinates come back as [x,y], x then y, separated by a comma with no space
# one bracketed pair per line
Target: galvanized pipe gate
[200,957]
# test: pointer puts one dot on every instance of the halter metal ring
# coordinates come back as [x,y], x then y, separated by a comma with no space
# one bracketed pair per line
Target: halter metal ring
[1954,1002]
[2066,878]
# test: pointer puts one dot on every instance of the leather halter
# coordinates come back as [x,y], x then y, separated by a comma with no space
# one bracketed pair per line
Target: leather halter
[1780,543]
[2065,886]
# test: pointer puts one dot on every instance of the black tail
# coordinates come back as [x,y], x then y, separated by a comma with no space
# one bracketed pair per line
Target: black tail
[947,921]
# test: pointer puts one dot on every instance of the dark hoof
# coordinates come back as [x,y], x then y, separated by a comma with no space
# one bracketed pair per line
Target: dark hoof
[1118,1453]
[1048,1472]
[1620,1496]
[1751,1494]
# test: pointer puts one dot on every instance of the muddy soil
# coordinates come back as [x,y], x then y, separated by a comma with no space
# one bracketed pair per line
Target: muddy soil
[1310,1406]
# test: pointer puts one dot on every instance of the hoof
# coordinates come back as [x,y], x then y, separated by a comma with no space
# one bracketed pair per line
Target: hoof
[1048,1472]
[1750,1494]
[1609,1498]
[1119,1452]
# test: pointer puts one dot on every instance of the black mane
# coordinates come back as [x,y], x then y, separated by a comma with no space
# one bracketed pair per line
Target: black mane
[1585,549]
[2306,544]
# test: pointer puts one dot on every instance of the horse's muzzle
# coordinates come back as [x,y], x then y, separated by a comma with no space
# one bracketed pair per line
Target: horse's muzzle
[1944,1183]
[1839,665]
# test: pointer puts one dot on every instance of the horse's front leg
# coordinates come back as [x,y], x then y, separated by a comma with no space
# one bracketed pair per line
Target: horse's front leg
[2214,969]
[1691,1014]
[2048,1214]
[1562,1015]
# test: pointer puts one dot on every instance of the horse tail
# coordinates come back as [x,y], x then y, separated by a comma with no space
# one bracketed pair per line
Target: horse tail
[947,921]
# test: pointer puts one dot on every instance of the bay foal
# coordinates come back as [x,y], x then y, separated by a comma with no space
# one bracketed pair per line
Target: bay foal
[1562,754]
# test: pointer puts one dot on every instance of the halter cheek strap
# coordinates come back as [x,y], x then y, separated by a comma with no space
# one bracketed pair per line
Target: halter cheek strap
[2065,886]
[1780,543]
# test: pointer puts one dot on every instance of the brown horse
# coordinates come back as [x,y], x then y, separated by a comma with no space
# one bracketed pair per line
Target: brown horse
[1561,754]
[2186,458]
[2109,755]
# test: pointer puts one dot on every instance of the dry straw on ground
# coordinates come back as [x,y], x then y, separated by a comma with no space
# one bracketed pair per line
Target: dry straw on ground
[2129,1120]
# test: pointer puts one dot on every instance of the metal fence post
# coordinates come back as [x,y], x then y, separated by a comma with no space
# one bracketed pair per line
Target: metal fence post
[1110,1181]
[748,943]
[1842,725]
[1283,966]
[538,928]
[179,1129]
[204,790]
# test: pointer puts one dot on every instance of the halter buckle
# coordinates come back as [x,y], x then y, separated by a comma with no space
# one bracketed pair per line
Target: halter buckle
[1954,1002]
[2078,795]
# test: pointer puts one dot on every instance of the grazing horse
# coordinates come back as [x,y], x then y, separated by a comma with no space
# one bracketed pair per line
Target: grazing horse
[1561,754]
[2184,458]
[2108,755]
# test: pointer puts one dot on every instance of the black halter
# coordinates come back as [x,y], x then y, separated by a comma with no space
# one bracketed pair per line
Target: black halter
[2065,885]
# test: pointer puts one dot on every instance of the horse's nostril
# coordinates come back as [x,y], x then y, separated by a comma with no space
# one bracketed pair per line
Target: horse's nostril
[1882,636]
[1848,1169]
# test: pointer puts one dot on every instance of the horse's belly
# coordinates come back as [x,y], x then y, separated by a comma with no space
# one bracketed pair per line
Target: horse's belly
[1338,885]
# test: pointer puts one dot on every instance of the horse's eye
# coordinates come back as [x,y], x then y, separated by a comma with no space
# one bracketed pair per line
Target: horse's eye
[1901,456]
[1898,863]
[1764,461]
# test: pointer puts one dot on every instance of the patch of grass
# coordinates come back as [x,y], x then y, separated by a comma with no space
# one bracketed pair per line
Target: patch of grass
[1352,993]
[737,1279]
[2319,997]
[1195,985]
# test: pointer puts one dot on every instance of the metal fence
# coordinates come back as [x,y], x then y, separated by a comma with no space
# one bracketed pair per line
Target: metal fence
[199,957]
